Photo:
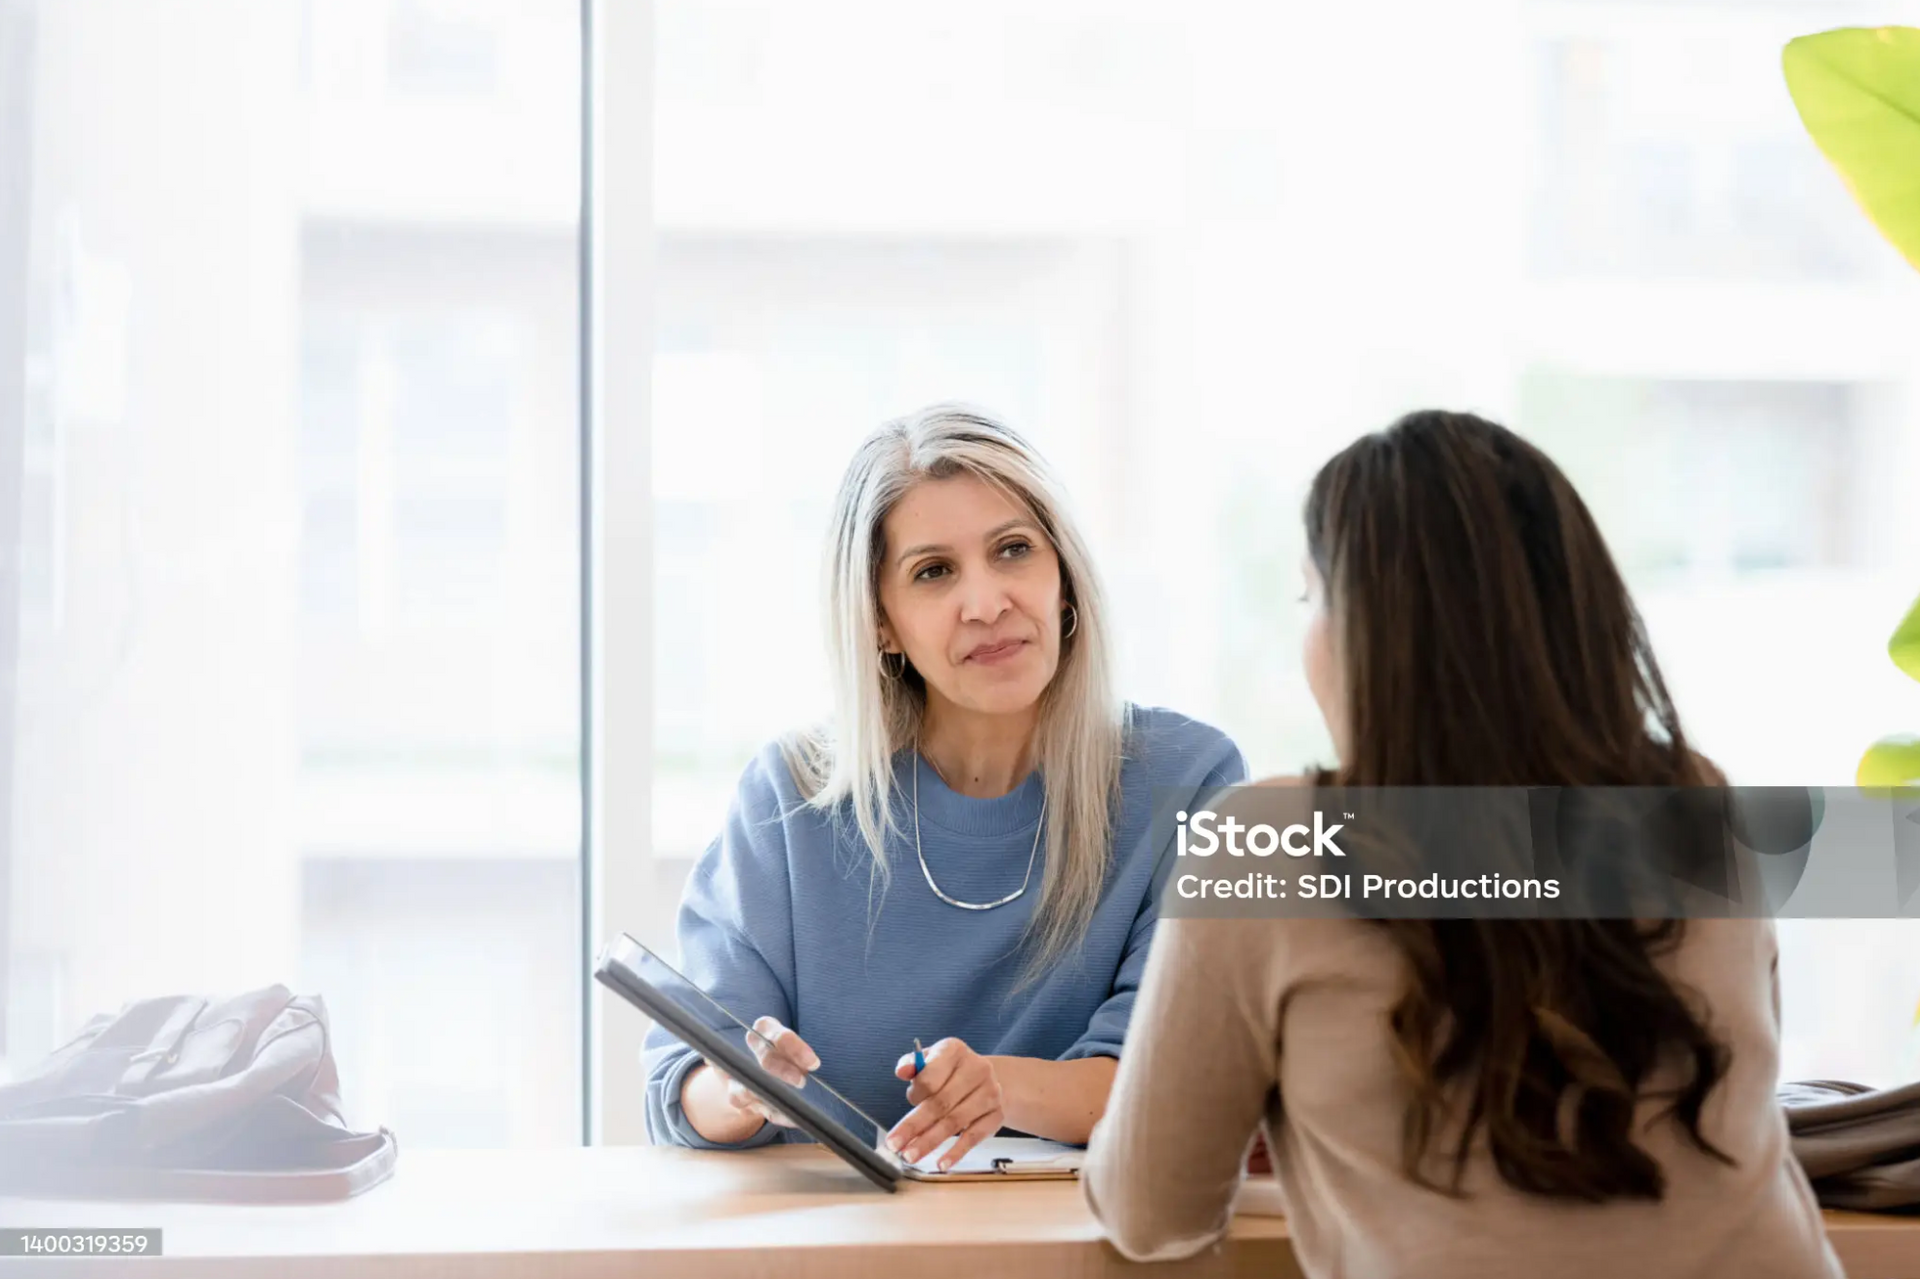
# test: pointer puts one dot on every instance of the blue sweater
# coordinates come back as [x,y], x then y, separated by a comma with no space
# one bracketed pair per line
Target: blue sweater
[778,920]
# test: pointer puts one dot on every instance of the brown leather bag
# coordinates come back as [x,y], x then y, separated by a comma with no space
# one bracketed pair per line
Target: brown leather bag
[183,1097]
[1860,1146]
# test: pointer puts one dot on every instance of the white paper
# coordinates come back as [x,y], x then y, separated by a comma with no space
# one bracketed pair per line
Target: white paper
[1034,1151]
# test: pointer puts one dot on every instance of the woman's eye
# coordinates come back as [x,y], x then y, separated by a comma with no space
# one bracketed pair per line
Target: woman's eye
[930,573]
[1015,549]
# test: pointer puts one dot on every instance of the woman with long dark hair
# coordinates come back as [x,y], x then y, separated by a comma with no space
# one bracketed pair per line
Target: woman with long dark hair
[1471,1097]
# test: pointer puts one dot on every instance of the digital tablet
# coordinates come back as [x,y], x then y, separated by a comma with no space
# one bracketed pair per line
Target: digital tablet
[701,1022]
[652,985]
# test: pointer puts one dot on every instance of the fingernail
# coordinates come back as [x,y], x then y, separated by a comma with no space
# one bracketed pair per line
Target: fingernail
[945,1164]
[893,1144]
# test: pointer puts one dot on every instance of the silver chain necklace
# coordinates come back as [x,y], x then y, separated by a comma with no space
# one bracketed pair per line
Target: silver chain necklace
[1039,826]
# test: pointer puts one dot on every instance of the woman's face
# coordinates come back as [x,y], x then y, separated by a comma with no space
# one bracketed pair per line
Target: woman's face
[1321,660]
[970,592]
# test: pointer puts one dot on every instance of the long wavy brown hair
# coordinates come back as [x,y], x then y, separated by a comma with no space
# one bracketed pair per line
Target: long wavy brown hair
[1487,639]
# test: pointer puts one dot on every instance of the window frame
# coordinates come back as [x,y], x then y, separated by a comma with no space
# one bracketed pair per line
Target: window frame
[616,241]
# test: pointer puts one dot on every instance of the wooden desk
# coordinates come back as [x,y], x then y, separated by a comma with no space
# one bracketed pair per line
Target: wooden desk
[793,1211]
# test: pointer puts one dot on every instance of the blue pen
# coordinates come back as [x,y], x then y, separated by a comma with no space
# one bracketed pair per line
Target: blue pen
[919,1057]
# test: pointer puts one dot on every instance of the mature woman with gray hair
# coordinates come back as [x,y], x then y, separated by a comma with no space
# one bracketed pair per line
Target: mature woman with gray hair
[963,857]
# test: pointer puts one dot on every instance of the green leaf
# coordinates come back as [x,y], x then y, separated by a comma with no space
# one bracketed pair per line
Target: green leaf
[1858,92]
[1904,647]
[1891,761]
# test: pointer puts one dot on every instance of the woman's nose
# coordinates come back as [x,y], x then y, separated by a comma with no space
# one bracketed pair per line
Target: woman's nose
[983,599]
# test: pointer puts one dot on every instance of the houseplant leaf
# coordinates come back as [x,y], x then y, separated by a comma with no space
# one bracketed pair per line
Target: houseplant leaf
[1858,93]
[1891,761]
[1904,647]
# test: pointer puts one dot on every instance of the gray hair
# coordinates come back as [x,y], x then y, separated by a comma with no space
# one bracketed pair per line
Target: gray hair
[1082,726]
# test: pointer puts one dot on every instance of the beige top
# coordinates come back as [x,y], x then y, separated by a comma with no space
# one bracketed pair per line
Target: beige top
[1285,1021]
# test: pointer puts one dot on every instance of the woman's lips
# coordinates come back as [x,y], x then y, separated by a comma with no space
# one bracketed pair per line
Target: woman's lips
[994,654]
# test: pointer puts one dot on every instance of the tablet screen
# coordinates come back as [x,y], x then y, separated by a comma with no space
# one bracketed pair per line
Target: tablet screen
[692,1004]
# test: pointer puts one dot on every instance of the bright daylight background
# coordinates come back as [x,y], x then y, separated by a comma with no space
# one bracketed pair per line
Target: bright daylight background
[295,670]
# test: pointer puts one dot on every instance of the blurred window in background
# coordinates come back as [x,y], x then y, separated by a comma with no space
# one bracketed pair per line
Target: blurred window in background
[1194,249]
[298,668]
[298,614]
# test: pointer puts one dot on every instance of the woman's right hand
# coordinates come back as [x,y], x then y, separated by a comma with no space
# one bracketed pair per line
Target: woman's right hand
[781,1053]
[722,1109]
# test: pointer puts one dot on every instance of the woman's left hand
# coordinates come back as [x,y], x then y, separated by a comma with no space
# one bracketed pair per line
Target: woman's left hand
[958,1094]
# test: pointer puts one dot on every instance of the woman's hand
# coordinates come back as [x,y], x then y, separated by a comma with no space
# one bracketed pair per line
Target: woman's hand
[721,1109]
[781,1053]
[957,1095]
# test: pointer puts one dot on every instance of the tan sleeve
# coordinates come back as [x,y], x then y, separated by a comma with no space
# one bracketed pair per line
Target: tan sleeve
[1165,1161]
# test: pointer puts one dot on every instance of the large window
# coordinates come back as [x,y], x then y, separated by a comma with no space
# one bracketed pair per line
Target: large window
[1192,249]
[292,463]
[298,693]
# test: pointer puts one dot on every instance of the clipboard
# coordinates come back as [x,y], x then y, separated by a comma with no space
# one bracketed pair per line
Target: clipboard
[1003,1159]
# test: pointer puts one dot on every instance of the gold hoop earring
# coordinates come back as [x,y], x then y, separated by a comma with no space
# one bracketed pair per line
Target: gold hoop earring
[1073,622]
[888,670]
